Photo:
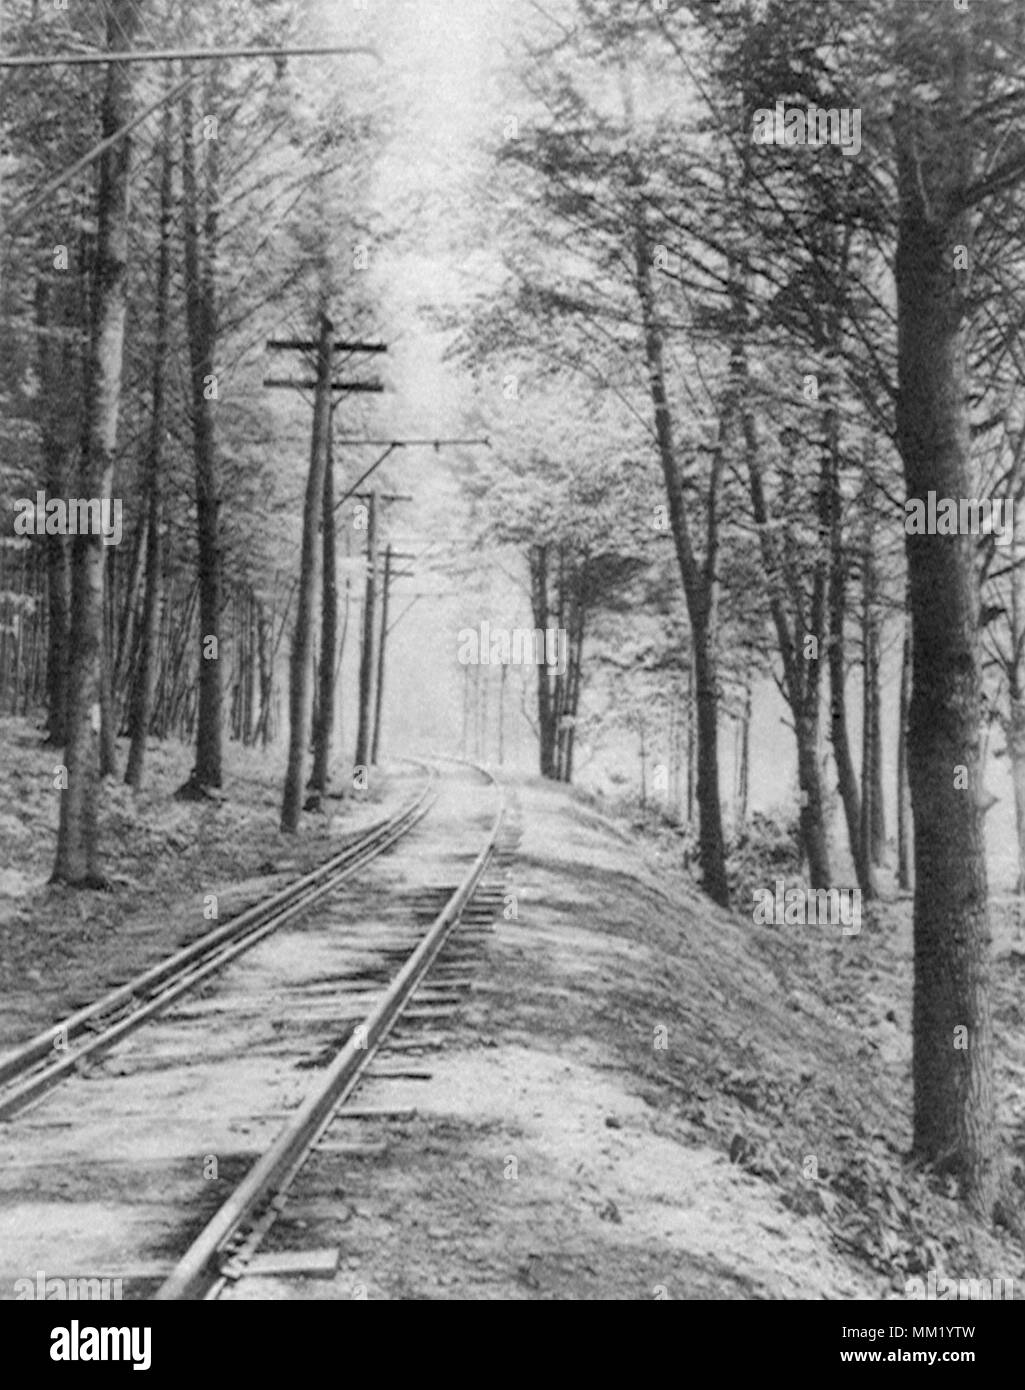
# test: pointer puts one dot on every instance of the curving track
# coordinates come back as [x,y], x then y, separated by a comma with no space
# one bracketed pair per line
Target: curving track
[55,1054]
[167,1157]
[222,1251]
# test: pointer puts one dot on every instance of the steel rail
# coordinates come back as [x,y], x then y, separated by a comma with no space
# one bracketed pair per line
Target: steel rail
[39,1064]
[198,1271]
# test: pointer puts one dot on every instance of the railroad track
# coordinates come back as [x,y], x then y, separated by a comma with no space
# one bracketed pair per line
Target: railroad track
[63,1049]
[262,1067]
[226,1248]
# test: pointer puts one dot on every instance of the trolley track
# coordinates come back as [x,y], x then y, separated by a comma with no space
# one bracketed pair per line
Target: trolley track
[325,1223]
[224,1250]
[104,1170]
[52,1055]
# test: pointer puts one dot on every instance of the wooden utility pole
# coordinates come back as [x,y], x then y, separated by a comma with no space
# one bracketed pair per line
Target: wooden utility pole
[300,693]
[385,585]
[366,664]
[367,737]
[328,636]
[319,511]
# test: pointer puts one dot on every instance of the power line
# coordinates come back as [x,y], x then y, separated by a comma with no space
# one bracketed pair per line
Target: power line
[187,55]
[68,174]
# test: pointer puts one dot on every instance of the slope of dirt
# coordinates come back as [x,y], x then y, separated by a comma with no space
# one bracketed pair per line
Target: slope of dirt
[561,1151]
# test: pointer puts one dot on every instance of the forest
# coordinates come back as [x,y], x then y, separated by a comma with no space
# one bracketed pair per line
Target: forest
[687,336]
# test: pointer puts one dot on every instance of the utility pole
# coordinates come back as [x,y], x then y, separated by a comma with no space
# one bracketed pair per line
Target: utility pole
[319,507]
[366,664]
[385,585]
[390,574]
[328,635]
[300,694]
[367,733]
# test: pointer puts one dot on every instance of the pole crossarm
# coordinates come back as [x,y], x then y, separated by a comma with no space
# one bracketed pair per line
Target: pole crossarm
[284,384]
[412,443]
[304,345]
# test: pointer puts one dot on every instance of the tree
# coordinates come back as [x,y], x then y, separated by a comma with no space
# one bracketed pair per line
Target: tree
[936,150]
[201,217]
[146,672]
[600,299]
[78,860]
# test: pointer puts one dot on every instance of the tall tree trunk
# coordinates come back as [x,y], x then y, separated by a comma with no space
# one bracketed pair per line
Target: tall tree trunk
[547,716]
[878,796]
[814,838]
[699,579]
[108,715]
[575,673]
[873,822]
[264,631]
[744,771]
[903,789]
[846,774]
[953,1045]
[690,738]
[801,672]
[250,677]
[56,317]
[144,684]
[1015,726]
[201,317]
[300,690]
[78,852]
[711,843]
[1016,754]
[124,607]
